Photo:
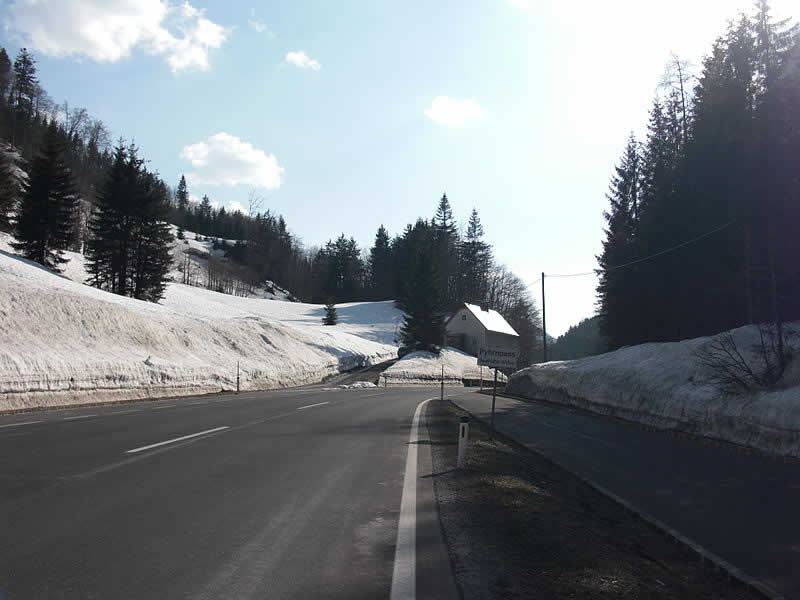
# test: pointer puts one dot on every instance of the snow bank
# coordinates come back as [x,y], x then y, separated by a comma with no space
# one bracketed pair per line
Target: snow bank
[664,385]
[62,342]
[425,368]
[357,385]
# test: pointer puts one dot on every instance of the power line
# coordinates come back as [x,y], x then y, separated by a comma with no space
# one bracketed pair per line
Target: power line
[643,259]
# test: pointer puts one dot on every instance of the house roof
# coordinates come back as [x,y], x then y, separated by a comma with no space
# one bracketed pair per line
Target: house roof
[491,320]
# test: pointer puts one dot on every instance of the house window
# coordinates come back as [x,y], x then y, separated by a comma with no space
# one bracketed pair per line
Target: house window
[463,317]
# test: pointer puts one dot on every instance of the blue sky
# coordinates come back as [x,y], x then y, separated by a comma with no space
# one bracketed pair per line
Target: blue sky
[329,112]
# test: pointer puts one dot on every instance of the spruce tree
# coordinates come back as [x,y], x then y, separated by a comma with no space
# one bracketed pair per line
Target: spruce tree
[129,248]
[12,183]
[5,75]
[330,318]
[381,275]
[44,223]
[445,252]
[475,257]
[423,324]
[617,287]
[182,198]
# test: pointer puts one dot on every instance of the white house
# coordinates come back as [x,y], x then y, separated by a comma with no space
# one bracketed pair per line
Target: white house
[472,326]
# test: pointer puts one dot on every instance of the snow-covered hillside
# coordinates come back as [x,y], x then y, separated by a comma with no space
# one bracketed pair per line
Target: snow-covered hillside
[64,342]
[664,385]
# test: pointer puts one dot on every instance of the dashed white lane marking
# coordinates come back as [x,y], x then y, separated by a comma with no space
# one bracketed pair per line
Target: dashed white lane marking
[370,395]
[19,424]
[178,439]
[312,405]
[79,417]
[165,406]
[125,412]
[404,576]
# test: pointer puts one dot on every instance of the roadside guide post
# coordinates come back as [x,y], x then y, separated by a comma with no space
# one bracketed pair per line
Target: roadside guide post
[494,397]
[442,392]
[498,356]
[481,377]
[463,440]
[237,376]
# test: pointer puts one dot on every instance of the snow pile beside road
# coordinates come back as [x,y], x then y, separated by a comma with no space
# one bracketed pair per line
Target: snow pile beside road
[425,368]
[63,342]
[665,386]
[357,385]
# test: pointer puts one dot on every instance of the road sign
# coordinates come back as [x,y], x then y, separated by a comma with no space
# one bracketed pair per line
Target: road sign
[498,357]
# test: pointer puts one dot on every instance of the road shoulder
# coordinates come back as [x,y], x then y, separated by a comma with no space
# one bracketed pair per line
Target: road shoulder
[518,526]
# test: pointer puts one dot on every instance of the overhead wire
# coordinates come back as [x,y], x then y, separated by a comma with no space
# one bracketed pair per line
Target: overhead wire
[643,259]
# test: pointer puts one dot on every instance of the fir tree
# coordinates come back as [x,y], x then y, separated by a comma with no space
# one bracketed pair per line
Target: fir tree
[445,251]
[616,289]
[476,259]
[423,324]
[5,74]
[129,246]
[330,318]
[25,82]
[12,183]
[44,224]
[381,274]
[182,200]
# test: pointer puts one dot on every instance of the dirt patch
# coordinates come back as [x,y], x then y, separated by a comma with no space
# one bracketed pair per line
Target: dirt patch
[518,526]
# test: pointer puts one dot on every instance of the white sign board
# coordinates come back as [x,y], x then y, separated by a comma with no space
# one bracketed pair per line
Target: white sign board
[498,357]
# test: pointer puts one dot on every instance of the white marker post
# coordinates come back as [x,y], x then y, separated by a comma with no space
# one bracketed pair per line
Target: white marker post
[463,440]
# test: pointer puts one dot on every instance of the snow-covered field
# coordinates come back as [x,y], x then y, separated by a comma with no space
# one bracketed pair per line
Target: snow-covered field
[664,385]
[425,368]
[63,342]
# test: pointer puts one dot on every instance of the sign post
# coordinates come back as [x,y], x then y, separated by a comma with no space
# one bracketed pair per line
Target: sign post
[499,356]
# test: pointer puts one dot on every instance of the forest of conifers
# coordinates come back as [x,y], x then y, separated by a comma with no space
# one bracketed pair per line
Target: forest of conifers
[702,229]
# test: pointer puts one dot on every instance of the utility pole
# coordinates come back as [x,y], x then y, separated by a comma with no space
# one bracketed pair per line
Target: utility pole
[544,324]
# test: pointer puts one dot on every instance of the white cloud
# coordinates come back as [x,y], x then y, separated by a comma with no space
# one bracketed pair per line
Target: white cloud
[302,60]
[236,206]
[109,30]
[224,159]
[454,111]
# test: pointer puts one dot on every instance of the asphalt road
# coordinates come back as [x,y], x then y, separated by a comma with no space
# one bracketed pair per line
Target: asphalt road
[741,506]
[289,494]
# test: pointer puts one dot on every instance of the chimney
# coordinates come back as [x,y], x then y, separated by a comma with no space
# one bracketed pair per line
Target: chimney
[484,307]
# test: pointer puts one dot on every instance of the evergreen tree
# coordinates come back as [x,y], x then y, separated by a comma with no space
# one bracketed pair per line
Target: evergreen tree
[616,289]
[330,318]
[381,276]
[129,246]
[445,252]
[423,324]
[5,75]
[25,82]
[182,201]
[476,260]
[44,223]
[12,183]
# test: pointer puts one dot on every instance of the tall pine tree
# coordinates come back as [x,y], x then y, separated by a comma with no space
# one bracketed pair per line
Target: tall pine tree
[616,288]
[423,324]
[44,223]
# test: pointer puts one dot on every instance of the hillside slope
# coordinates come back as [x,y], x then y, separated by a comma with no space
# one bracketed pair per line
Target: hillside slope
[63,342]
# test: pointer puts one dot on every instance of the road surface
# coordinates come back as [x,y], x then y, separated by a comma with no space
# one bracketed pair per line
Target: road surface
[740,506]
[287,494]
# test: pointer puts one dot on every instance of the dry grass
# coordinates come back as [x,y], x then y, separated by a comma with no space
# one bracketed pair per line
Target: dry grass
[519,526]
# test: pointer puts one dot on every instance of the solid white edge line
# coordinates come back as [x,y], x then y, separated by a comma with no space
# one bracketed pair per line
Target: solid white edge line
[312,405]
[404,576]
[179,439]
[19,424]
